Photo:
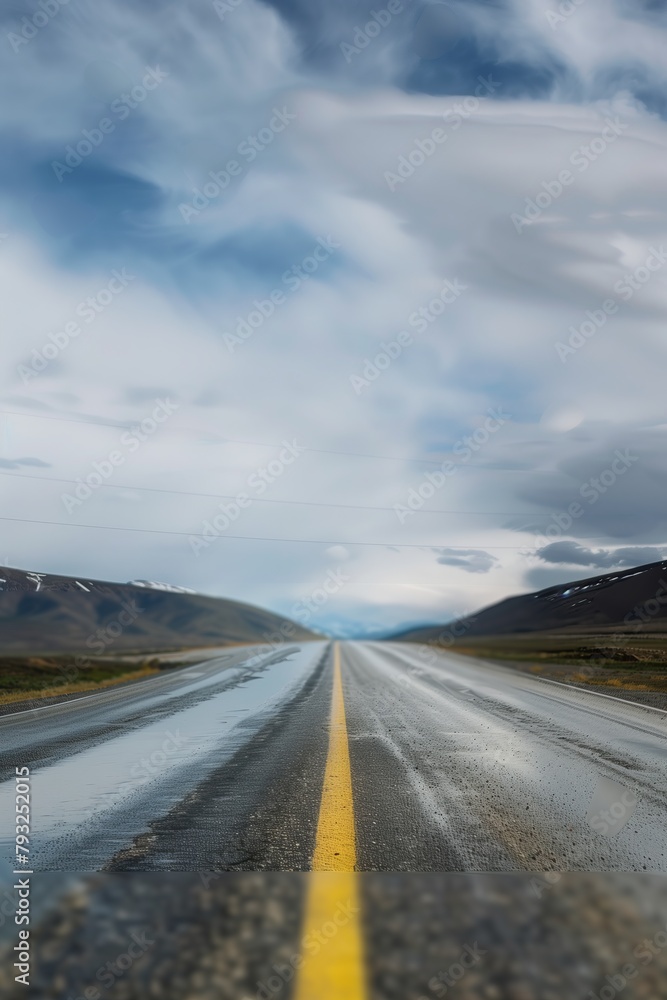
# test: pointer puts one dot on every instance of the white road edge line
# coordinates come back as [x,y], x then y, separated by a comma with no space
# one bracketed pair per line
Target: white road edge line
[548,680]
[85,697]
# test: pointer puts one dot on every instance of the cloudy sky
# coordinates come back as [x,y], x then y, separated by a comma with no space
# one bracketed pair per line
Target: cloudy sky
[305,292]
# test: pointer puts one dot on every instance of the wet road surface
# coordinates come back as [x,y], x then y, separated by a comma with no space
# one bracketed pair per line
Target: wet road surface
[454,765]
[240,936]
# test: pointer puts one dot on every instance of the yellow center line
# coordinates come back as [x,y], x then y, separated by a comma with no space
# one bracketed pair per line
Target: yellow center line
[335,849]
[332,961]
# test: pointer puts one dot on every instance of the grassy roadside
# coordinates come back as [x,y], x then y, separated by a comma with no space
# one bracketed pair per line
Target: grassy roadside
[45,677]
[75,688]
[25,678]
[595,662]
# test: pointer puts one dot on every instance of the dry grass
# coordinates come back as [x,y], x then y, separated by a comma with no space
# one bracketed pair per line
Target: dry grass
[75,687]
[625,682]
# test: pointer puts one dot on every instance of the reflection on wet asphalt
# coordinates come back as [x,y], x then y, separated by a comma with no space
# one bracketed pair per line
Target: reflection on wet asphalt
[109,765]
[464,766]
[457,765]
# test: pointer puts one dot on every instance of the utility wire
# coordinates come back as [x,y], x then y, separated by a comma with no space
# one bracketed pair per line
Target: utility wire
[128,424]
[299,503]
[269,538]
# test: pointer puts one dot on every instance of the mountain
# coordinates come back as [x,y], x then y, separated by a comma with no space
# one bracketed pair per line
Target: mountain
[41,614]
[631,601]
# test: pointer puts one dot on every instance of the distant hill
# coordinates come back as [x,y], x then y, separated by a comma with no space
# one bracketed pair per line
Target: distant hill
[42,614]
[634,600]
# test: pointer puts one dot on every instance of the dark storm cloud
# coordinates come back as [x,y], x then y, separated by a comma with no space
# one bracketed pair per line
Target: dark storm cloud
[617,480]
[573,554]
[436,47]
[470,560]
[423,46]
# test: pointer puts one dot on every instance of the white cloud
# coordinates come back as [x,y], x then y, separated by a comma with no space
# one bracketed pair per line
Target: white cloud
[450,219]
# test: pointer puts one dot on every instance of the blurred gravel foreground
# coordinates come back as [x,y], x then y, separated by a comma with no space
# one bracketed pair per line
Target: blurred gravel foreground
[233,936]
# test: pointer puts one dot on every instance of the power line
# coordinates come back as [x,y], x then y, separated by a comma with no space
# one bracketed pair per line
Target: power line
[271,538]
[128,424]
[299,503]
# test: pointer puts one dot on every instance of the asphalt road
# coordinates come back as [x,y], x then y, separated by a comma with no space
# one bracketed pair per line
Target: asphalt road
[453,765]
[240,935]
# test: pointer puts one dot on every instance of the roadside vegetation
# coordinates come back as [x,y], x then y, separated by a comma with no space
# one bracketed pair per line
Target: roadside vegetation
[24,678]
[629,664]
